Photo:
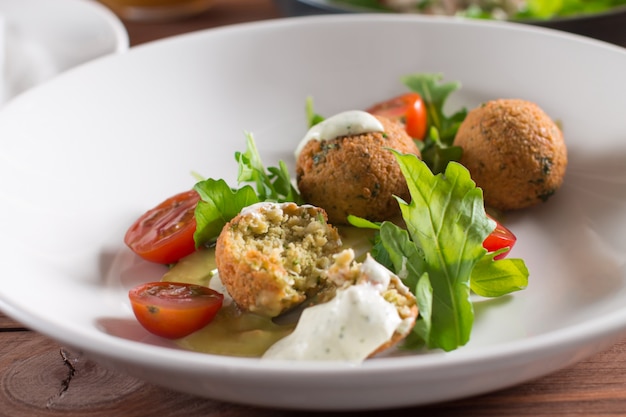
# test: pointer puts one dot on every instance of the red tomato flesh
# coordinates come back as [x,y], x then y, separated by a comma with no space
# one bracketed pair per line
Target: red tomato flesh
[172,309]
[409,109]
[164,234]
[500,238]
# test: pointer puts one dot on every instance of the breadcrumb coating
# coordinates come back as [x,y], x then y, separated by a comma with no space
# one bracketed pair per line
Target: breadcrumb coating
[514,152]
[356,174]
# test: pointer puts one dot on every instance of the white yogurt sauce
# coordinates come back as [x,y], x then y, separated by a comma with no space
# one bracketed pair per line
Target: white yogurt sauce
[351,326]
[216,285]
[352,122]
[375,273]
[256,208]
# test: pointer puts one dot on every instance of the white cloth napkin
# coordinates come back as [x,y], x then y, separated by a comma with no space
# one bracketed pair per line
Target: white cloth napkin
[2,59]
[24,60]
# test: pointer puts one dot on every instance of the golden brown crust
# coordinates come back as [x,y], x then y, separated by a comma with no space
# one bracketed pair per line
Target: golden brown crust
[514,152]
[356,174]
[250,280]
[271,259]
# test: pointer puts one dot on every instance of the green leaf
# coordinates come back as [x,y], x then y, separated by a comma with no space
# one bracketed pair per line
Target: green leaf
[407,258]
[251,169]
[438,147]
[273,184]
[281,185]
[420,334]
[219,203]
[544,8]
[424,297]
[408,263]
[312,117]
[217,206]
[440,254]
[439,154]
[447,219]
[497,278]
[362,223]
[435,94]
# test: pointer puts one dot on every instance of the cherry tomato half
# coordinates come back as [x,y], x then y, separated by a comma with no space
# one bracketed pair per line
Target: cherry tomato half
[164,234]
[173,309]
[409,109]
[500,238]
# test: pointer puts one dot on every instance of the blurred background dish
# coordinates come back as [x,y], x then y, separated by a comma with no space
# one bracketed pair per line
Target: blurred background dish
[157,10]
[607,25]
[41,38]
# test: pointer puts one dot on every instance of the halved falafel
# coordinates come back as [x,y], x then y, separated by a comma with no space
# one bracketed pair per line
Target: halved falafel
[345,272]
[272,256]
[369,311]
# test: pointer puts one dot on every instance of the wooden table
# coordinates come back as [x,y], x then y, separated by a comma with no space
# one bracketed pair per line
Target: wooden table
[40,378]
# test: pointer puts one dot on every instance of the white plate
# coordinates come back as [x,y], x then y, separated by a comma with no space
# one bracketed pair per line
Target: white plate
[117,136]
[40,38]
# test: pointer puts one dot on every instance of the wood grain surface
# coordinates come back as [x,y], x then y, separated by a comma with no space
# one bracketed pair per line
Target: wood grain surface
[40,378]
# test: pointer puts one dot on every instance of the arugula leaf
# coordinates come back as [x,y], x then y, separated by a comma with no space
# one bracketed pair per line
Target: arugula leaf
[421,331]
[219,203]
[407,257]
[435,93]
[438,146]
[440,255]
[437,154]
[446,219]
[273,185]
[497,278]
[409,263]
[312,117]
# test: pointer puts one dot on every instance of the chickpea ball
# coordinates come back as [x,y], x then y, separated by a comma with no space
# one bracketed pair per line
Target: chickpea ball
[514,152]
[356,174]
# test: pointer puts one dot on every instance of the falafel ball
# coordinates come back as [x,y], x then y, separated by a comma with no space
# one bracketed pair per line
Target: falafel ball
[356,174]
[514,152]
[272,256]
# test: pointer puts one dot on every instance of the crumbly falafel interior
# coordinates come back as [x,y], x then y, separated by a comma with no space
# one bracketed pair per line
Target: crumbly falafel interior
[345,271]
[295,238]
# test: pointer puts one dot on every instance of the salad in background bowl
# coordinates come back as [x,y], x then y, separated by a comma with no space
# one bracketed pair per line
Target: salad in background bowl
[600,19]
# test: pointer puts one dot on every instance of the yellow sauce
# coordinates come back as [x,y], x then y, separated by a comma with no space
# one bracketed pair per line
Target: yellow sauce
[236,333]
